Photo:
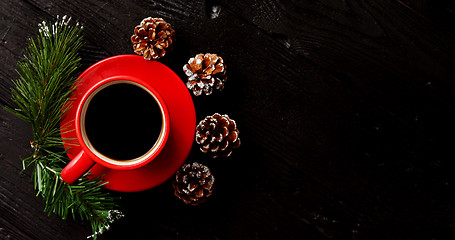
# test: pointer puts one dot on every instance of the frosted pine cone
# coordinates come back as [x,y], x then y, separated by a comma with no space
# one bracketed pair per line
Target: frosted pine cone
[205,72]
[193,183]
[217,135]
[152,38]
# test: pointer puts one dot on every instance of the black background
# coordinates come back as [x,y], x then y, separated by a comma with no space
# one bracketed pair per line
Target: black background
[345,110]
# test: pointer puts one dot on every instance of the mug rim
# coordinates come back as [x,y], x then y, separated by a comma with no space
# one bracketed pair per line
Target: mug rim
[104,160]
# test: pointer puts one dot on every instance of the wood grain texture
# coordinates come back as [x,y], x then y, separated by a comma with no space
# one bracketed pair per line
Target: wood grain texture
[345,108]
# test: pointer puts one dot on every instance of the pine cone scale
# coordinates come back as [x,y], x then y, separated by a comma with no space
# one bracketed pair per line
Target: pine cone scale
[233,136]
[224,146]
[151,34]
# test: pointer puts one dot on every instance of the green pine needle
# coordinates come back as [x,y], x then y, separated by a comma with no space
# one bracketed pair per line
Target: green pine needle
[46,81]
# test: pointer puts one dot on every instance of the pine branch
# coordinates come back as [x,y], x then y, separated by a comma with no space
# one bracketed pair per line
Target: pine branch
[46,81]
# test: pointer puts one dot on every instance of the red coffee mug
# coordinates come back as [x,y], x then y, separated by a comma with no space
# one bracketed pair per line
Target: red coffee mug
[89,155]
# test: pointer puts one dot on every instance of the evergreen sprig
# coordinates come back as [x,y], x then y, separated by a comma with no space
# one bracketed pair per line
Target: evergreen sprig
[47,78]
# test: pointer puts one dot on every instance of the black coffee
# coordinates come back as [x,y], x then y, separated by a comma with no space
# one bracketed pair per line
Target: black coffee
[123,121]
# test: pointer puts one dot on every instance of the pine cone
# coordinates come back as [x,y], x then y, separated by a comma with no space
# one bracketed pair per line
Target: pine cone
[205,72]
[217,135]
[152,38]
[193,183]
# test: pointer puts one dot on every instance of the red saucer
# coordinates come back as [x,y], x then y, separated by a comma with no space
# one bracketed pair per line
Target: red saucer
[181,111]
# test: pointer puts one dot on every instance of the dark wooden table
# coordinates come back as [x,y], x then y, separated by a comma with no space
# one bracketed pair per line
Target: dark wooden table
[345,108]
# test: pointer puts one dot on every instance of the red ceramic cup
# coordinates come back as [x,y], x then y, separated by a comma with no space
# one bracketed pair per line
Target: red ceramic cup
[89,155]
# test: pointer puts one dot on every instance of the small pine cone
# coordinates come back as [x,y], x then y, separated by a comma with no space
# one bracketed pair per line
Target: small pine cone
[217,135]
[205,72]
[193,183]
[152,38]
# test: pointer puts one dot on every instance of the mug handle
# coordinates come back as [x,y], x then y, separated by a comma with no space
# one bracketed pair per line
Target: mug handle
[77,167]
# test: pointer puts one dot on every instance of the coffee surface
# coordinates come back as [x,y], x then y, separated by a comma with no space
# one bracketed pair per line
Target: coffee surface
[123,121]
